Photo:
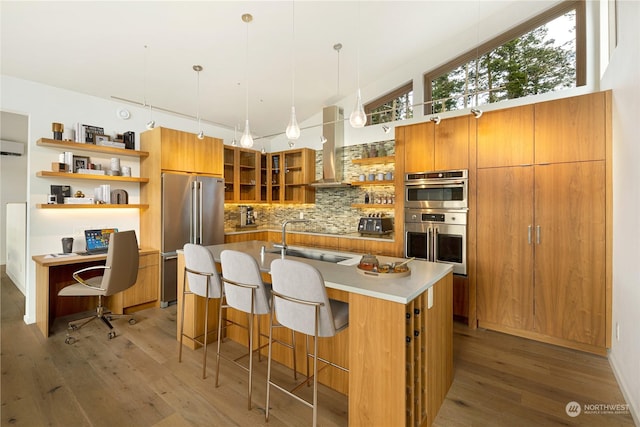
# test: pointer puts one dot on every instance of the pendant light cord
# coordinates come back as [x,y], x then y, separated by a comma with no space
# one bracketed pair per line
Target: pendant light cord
[293,53]
[246,68]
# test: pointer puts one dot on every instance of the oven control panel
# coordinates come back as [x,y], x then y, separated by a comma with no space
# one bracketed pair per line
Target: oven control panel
[433,216]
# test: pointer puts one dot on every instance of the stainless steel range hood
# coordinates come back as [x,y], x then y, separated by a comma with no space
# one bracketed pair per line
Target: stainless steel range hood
[332,162]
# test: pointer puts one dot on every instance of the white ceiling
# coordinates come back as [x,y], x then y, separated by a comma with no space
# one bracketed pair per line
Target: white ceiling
[97,48]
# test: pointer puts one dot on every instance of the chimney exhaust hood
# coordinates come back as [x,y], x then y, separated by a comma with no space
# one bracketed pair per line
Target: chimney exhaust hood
[332,161]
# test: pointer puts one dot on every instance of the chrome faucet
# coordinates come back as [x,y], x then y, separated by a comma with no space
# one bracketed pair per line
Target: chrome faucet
[283,245]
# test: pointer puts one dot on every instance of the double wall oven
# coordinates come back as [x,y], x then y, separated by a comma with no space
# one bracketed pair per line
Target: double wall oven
[436,207]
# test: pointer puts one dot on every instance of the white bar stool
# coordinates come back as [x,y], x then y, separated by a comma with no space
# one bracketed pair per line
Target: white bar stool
[245,291]
[204,281]
[300,303]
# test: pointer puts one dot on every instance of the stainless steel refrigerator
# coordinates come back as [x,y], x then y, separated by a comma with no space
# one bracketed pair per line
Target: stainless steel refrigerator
[192,212]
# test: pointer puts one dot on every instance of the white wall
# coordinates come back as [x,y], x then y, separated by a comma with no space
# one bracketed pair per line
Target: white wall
[44,105]
[13,170]
[622,77]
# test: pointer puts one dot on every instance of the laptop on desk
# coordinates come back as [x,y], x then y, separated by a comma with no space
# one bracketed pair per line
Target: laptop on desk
[98,240]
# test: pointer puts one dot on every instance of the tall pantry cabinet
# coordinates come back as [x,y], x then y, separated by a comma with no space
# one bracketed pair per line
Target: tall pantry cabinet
[544,221]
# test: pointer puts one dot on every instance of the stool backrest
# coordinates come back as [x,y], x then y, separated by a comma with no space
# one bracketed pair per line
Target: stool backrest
[243,269]
[301,281]
[200,259]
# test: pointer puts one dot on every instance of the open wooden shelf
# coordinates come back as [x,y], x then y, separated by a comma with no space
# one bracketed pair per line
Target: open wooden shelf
[363,183]
[50,174]
[373,205]
[374,160]
[87,206]
[70,145]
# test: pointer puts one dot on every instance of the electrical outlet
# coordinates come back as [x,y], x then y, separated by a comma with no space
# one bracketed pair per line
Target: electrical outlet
[301,215]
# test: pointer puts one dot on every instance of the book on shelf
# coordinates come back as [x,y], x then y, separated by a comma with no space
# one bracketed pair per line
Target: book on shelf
[85,134]
[111,144]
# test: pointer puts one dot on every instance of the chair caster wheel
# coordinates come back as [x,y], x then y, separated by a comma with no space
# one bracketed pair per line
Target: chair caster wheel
[132,321]
[69,340]
[73,327]
[112,335]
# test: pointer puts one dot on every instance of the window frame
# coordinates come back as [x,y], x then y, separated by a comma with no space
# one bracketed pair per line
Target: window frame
[389,96]
[525,27]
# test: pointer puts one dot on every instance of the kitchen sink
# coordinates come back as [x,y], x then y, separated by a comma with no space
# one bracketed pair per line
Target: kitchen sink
[309,254]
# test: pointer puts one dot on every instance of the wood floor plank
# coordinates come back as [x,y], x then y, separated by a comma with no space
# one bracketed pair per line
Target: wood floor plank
[136,380]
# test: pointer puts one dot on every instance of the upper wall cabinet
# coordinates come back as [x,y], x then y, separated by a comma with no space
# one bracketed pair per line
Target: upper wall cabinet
[571,129]
[243,175]
[430,147]
[184,152]
[451,144]
[505,137]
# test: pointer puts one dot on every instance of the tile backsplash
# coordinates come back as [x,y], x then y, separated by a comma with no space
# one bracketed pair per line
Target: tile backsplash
[332,213]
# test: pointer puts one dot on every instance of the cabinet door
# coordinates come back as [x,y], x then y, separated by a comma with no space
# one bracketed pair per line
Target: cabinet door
[570,129]
[147,286]
[207,157]
[570,252]
[177,150]
[418,152]
[274,172]
[505,137]
[451,144]
[504,254]
[248,165]
[229,174]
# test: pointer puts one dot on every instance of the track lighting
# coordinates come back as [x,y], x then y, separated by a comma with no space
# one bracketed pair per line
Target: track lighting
[385,128]
[476,112]
[323,139]
[291,144]
[151,123]
[435,119]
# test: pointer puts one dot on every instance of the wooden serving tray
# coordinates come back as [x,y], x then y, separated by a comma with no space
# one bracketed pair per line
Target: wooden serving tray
[370,273]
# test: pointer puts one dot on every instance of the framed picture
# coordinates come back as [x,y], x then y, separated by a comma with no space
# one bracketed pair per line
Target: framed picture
[97,139]
[80,162]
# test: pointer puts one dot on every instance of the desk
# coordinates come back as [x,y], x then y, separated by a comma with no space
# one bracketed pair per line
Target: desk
[54,273]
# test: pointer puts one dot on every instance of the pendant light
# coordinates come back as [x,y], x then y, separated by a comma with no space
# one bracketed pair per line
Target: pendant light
[293,130]
[151,123]
[197,69]
[358,118]
[246,140]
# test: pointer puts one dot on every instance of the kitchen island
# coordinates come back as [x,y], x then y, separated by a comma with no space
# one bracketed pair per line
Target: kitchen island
[398,346]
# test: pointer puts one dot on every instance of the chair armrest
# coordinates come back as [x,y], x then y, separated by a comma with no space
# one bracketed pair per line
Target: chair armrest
[76,275]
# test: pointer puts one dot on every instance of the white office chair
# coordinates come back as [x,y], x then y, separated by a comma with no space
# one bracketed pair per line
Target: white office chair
[245,291]
[120,272]
[300,302]
[204,281]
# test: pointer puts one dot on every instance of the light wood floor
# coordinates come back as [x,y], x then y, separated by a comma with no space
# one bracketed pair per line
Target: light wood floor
[136,380]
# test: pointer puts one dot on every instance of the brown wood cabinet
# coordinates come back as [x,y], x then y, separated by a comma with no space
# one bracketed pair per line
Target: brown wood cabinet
[505,137]
[571,129]
[290,172]
[184,152]
[541,251]
[431,147]
[243,175]
[146,289]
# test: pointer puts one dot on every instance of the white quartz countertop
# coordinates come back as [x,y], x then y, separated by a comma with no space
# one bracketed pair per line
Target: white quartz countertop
[345,276]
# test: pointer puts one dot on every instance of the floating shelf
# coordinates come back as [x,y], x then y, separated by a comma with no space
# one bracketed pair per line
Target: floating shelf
[70,145]
[50,174]
[87,206]
[374,160]
[363,183]
[373,205]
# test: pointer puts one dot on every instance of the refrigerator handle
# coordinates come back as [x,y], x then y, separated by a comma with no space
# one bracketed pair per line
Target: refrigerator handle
[194,210]
[200,212]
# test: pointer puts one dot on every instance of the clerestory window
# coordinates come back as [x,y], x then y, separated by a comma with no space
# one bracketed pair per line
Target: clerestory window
[545,54]
[395,105]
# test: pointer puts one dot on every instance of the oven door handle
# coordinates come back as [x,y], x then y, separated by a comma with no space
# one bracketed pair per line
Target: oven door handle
[435,244]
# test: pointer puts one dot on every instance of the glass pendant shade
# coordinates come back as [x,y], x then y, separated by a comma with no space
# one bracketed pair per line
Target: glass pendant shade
[358,118]
[246,141]
[293,130]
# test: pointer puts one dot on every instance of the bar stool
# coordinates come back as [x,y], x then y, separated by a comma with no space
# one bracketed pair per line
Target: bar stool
[245,291]
[204,281]
[300,302]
